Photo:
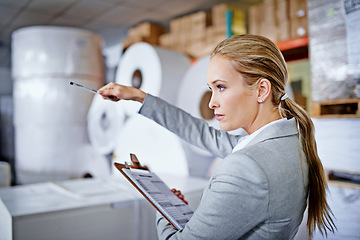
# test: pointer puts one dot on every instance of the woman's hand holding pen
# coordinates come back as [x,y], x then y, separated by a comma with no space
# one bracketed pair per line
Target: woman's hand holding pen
[116,92]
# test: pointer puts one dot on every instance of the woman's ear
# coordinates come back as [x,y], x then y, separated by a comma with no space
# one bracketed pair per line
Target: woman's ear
[264,89]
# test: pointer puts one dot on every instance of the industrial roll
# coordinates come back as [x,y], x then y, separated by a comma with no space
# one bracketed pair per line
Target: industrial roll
[152,69]
[154,146]
[194,93]
[194,96]
[105,123]
[50,50]
[47,149]
[49,114]
[52,99]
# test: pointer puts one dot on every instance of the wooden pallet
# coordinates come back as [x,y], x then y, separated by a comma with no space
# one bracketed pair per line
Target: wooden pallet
[338,108]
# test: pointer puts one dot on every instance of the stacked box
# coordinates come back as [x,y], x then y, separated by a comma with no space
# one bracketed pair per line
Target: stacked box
[198,33]
[144,32]
[226,21]
[255,15]
[166,40]
[269,23]
[298,18]
[199,22]
[270,19]
[221,21]
[282,20]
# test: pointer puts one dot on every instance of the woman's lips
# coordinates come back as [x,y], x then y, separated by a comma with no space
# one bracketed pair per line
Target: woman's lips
[219,117]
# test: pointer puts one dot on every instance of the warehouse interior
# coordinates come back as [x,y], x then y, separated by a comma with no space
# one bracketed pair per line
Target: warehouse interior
[58,142]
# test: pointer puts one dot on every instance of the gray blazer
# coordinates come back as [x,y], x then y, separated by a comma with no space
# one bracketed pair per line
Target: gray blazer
[258,192]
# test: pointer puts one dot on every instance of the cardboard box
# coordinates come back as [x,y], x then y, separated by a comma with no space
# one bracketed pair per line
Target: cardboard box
[218,14]
[238,21]
[282,12]
[200,21]
[166,40]
[299,27]
[297,8]
[175,26]
[255,18]
[283,31]
[270,19]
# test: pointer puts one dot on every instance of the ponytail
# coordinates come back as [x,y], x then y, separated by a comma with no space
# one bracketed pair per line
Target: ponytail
[319,212]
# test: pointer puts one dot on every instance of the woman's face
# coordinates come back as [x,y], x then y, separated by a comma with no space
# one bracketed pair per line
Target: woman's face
[234,103]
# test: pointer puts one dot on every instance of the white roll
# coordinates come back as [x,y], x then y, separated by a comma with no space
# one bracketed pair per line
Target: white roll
[194,96]
[105,122]
[44,100]
[52,51]
[194,92]
[154,70]
[47,149]
[154,146]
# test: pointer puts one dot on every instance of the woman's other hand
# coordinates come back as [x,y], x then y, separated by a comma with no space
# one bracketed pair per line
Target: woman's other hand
[179,195]
[116,92]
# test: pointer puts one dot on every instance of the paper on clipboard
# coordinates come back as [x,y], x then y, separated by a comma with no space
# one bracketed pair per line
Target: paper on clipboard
[158,194]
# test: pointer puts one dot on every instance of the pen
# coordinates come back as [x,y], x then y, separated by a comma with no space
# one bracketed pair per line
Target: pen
[86,88]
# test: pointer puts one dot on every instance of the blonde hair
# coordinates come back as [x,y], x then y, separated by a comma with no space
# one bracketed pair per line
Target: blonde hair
[256,57]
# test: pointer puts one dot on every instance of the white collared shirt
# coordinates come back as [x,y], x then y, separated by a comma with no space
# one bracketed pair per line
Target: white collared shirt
[243,141]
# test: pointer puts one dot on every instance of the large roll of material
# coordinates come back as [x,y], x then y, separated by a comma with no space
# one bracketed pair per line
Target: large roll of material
[52,99]
[154,146]
[49,50]
[50,114]
[49,153]
[194,97]
[105,123]
[154,70]
[194,93]
[47,150]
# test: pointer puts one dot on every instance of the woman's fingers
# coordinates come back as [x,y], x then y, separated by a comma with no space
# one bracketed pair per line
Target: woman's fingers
[179,195]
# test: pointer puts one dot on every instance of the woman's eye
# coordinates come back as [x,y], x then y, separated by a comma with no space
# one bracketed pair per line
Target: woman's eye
[220,87]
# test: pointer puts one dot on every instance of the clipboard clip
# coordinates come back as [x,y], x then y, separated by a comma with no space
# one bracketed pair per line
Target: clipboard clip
[135,164]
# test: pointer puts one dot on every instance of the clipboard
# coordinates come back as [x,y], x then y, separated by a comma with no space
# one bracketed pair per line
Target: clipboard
[174,210]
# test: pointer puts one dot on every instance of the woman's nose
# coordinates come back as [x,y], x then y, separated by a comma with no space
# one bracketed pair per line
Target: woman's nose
[213,103]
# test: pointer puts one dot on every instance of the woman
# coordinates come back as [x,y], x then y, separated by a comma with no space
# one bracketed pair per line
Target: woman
[267,178]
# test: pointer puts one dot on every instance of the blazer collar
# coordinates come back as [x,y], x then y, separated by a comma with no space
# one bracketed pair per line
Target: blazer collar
[277,130]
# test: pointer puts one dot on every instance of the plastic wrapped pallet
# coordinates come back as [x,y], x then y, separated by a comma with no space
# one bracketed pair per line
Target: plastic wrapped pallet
[332,30]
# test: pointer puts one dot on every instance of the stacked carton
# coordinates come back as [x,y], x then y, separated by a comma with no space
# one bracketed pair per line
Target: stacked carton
[298,18]
[186,31]
[197,34]
[279,20]
[144,32]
